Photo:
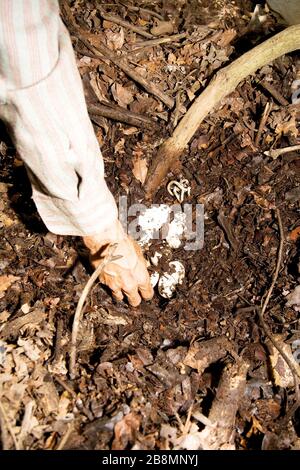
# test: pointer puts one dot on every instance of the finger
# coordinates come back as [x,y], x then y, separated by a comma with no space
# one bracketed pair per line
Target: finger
[117,295]
[113,282]
[133,297]
[143,280]
[146,291]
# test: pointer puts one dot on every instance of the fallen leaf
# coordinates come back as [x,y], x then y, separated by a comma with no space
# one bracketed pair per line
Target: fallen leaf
[119,147]
[125,431]
[293,299]
[6,221]
[98,87]
[226,37]
[140,169]
[191,441]
[115,41]
[130,131]
[294,234]
[122,95]
[282,374]
[7,281]
[162,27]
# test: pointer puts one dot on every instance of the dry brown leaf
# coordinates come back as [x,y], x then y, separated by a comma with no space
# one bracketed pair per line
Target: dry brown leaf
[5,220]
[130,131]
[119,147]
[3,188]
[115,41]
[294,234]
[125,431]
[162,27]
[288,127]
[122,95]
[226,37]
[282,374]
[7,281]
[98,87]
[140,169]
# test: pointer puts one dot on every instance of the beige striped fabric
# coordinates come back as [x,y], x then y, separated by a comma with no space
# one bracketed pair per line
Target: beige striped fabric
[42,101]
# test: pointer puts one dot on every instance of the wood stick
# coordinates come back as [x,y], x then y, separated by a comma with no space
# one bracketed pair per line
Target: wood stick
[80,305]
[277,152]
[121,115]
[143,10]
[5,424]
[126,24]
[224,82]
[263,122]
[221,434]
[275,93]
[263,309]
[156,42]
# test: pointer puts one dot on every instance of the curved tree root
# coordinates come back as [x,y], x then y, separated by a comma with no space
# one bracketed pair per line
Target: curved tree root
[224,82]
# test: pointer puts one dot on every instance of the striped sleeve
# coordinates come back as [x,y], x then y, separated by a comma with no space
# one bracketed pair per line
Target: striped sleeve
[42,101]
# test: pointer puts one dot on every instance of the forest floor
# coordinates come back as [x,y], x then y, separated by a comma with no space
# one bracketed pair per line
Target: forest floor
[197,370]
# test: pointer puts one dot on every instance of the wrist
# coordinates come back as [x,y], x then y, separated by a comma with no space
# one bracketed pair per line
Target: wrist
[112,234]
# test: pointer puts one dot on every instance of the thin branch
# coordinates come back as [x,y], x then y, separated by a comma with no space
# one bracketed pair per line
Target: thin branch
[276,153]
[275,93]
[263,122]
[65,437]
[126,24]
[261,312]
[80,305]
[156,42]
[225,81]
[5,423]
[143,10]
[122,115]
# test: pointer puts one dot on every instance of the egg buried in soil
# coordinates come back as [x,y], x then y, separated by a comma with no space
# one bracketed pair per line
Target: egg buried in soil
[169,280]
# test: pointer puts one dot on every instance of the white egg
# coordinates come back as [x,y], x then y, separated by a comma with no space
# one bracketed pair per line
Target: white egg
[151,221]
[155,258]
[169,280]
[176,229]
[154,278]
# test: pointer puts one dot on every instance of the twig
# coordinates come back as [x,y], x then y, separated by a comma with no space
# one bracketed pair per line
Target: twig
[275,93]
[4,433]
[263,122]
[65,386]
[80,305]
[126,24]
[103,53]
[222,415]
[217,147]
[5,423]
[66,436]
[12,327]
[226,226]
[26,423]
[143,10]
[58,338]
[276,153]
[121,115]
[261,311]
[224,82]
[156,42]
